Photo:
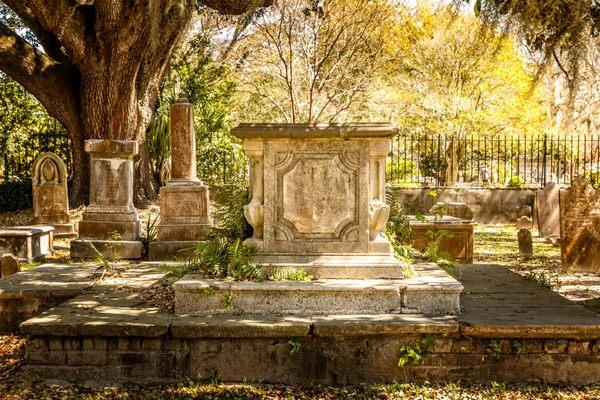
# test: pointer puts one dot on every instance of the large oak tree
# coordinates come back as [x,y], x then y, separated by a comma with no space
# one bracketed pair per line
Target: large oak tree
[96,65]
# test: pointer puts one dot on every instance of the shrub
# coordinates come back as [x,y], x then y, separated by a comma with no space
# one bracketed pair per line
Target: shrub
[516,182]
[15,195]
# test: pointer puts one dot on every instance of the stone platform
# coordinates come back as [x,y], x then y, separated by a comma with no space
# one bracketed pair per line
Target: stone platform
[520,332]
[431,291]
[349,266]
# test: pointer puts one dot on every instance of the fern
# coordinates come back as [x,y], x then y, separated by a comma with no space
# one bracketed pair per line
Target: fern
[290,274]
[220,258]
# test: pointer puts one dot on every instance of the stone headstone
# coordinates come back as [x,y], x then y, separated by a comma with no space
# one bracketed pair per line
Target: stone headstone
[524,223]
[580,226]
[9,265]
[110,222]
[184,201]
[50,196]
[548,211]
[454,209]
[525,243]
[317,198]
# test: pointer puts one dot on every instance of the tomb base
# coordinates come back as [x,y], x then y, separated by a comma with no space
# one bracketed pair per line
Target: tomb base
[431,291]
[171,251]
[113,249]
[184,219]
[64,231]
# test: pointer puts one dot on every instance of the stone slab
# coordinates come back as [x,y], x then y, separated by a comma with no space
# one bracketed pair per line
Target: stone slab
[30,292]
[382,324]
[342,266]
[499,303]
[114,249]
[247,326]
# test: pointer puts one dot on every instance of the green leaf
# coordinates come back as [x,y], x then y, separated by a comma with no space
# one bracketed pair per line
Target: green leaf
[477,8]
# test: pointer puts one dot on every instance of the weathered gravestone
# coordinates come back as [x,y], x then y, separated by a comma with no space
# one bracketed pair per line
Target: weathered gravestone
[9,265]
[525,243]
[184,202]
[580,226]
[524,223]
[110,224]
[548,210]
[50,196]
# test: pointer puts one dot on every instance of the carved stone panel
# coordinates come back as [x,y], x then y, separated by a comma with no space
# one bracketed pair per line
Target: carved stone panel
[317,195]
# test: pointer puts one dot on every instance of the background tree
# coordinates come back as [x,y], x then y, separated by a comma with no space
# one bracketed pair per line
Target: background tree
[311,61]
[96,66]
[458,79]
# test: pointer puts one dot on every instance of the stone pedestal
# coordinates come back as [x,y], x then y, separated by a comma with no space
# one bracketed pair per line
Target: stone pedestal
[110,223]
[317,198]
[184,202]
[50,196]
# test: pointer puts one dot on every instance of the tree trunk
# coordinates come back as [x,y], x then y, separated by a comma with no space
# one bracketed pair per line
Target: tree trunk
[80,180]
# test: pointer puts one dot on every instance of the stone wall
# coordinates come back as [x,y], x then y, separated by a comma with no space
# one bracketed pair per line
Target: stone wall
[327,360]
[489,206]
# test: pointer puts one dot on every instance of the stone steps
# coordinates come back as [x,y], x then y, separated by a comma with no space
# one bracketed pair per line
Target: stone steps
[433,291]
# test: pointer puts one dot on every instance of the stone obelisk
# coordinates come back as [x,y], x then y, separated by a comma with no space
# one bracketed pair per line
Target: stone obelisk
[184,201]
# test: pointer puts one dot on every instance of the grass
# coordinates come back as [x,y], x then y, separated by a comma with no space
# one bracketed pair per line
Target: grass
[499,245]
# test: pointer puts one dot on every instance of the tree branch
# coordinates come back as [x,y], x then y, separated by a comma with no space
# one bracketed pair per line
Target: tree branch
[47,39]
[40,75]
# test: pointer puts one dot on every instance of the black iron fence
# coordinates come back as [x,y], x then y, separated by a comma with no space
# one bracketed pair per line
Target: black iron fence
[492,161]
[18,158]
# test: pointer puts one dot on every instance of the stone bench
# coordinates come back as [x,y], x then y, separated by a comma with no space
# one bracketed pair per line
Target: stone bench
[28,243]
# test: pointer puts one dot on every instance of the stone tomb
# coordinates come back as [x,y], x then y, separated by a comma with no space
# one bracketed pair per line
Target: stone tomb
[317,203]
[548,211]
[580,227]
[317,198]
[27,243]
[184,202]
[459,244]
[50,196]
[110,223]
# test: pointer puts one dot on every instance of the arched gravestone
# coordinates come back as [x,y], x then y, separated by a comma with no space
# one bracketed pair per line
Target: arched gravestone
[50,196]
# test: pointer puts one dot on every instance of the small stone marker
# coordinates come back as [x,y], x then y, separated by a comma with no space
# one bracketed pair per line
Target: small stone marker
[525,243]
[50,196]
[9,265]
[524,223]
[548,211]
[580,226]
